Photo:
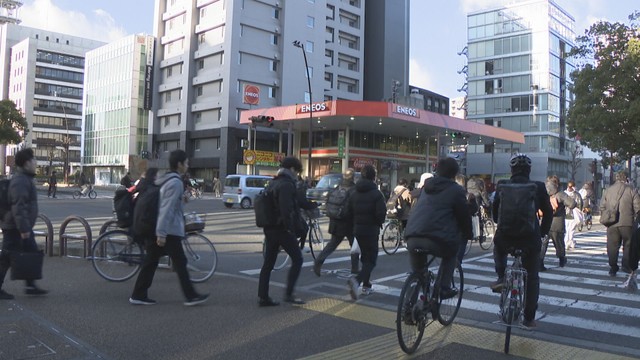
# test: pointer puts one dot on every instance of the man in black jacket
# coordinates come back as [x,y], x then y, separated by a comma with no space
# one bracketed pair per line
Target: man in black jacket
[440,223]
[520,170]
[284,233]
[18,222]
[339,229]
[560,201]
[368,210]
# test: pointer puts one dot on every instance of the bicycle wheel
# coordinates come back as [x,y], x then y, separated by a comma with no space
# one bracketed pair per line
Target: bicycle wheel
[316,240]
[202,258]
[279,264]
[410,317]
[391,238]
[93,194]
[489,229]
[448,308]
[77,194]
[115,256]
[108,225]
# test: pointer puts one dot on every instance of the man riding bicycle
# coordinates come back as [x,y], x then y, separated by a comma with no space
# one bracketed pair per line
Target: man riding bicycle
[440,223]
[520,170]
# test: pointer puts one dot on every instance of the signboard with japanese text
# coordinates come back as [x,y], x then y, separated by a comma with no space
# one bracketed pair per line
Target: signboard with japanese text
[341,144]
[265,158]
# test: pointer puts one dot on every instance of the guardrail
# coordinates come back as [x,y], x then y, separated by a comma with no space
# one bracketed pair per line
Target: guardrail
[64,237]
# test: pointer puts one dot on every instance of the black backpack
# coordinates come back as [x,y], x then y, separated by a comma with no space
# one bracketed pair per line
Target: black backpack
[145,212]
[517,218]
[397,205]
[265,208]
[123,207]
[336,202]
[5,202]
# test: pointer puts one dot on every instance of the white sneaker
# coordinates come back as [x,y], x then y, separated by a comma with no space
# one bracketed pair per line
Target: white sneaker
[352,285]
[366,291]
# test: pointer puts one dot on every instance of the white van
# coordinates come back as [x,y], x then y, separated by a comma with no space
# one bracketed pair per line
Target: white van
[242,189]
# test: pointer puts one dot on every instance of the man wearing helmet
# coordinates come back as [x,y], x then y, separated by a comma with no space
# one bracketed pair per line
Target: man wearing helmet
[520,170]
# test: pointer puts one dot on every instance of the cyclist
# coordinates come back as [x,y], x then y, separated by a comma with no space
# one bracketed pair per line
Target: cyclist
[520,170]
[440,223]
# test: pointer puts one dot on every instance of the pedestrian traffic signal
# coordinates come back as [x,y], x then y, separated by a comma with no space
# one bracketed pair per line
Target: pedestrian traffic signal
[456,134]
[267,120]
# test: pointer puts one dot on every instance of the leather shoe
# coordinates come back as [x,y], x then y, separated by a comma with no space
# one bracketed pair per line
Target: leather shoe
[33,290]
[294,300]
[268,302]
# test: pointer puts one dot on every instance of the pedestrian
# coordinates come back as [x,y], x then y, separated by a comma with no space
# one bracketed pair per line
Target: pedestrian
[283,234]
[216,187]
[53,185]
[440,224]
[415,193]
[520,170]
[573,216]
[126,180]
[473,210]
[340,226]
[308,206]
[560,204]
[169,233]
[404,200]
[625,199]
[476,186]
[17,224]
[368,209]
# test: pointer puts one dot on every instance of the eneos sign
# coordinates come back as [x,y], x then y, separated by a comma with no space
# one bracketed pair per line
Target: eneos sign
[251,94]
[315,107]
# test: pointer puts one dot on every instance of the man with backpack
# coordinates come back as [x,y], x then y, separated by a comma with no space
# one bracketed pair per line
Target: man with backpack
[164,233]
[399,204]
[340,225]
[514,210]
[561,204]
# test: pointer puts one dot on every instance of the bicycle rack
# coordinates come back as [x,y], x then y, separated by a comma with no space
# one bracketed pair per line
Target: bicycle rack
[64,237]
[48,234]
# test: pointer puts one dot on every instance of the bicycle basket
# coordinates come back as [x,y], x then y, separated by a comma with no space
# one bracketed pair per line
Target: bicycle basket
[193,222]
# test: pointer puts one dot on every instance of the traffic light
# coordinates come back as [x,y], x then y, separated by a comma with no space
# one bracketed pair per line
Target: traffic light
[261,119]
[456,134]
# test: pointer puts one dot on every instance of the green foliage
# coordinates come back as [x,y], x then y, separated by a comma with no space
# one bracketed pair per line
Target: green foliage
[12,123]
[605,114]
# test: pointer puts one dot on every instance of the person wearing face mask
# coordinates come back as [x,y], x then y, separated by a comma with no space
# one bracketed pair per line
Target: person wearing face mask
[559,202]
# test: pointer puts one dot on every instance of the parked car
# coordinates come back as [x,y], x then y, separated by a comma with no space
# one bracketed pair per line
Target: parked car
[325,184]
[242,189]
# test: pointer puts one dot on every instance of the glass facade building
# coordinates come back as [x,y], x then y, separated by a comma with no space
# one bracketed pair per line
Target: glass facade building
[519,79]
[116,112]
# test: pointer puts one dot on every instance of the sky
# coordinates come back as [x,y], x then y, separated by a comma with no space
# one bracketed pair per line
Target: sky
[438,28]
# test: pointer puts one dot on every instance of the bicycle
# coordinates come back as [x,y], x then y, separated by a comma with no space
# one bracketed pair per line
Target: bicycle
[117,257]
[315,237]
[193,192]
[84,192]
[587,221]
[512,295]
[486,229]
[392,236]
[419,298]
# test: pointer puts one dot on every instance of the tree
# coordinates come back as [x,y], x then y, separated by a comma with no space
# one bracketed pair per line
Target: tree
[13,125]
[575,160]
[605,113]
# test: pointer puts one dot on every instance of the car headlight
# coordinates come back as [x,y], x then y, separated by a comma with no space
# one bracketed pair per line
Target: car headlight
[325,194]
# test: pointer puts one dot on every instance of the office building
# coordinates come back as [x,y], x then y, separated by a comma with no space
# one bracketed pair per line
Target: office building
[518,79]
[117,98]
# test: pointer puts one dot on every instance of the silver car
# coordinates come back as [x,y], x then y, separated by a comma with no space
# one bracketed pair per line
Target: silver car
[242,189]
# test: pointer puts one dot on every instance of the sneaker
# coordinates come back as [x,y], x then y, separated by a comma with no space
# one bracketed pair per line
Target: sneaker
[144,301]
[34,290]
[316,267]
[529,324]
[352,285]
[196,300]
[448,293]
[294,300]
[6,296]
[497,285]
[366,291]
[267,302]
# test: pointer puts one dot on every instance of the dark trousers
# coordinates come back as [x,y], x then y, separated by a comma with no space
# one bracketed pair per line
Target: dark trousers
[53,188]
[616,236]
[558,243]
[368,257]
[12,241]
[331,246]
[173,248]
[531,263]
[448,262]
[274,239]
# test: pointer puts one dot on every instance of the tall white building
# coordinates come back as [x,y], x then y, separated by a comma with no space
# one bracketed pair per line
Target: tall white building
[43,73]
[210,53]
[117,99]
[518,79]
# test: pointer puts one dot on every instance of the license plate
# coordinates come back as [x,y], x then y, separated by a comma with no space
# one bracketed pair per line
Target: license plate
[229,200]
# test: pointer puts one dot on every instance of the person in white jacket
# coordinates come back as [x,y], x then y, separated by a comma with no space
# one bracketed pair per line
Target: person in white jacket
[573,216]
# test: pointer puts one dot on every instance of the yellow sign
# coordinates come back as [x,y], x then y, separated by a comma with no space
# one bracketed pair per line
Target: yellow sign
[266,158]
[249,157]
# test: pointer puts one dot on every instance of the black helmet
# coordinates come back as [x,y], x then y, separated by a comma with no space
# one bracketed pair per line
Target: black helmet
[520,160]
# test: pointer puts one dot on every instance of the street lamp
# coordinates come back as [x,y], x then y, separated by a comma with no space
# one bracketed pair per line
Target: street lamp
[298,44]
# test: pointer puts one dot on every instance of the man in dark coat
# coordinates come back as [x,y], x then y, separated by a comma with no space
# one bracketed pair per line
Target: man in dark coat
[368,210]
[283,234]
[339,229]
[626,198]
[560,201]
[440,223]
[53,185]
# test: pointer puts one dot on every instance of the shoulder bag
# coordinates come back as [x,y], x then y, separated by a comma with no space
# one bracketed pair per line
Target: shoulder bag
[609,217]
[26,265]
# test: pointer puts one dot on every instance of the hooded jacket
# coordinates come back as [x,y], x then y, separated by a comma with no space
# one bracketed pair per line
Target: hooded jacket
[170,210]
[629,203]
[563,200]
[441,213]
[23,198]
[367,208]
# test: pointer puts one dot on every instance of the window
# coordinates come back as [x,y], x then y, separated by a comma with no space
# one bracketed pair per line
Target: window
[179,119]
[274,39]
[166,121]
[311,21]
[309,72]
[199,91]
[203,12]
[276,13]
[202,38]
[196,145]
[309,46]
[307,97]
[272,92]
[273,65]
[201,64]
[169,71]
[167,96]
[198,118]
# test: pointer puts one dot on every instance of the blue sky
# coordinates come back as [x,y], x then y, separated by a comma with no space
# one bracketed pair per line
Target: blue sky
[438,28]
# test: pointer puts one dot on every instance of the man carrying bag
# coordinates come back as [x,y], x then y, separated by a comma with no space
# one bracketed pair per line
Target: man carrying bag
[19,249]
